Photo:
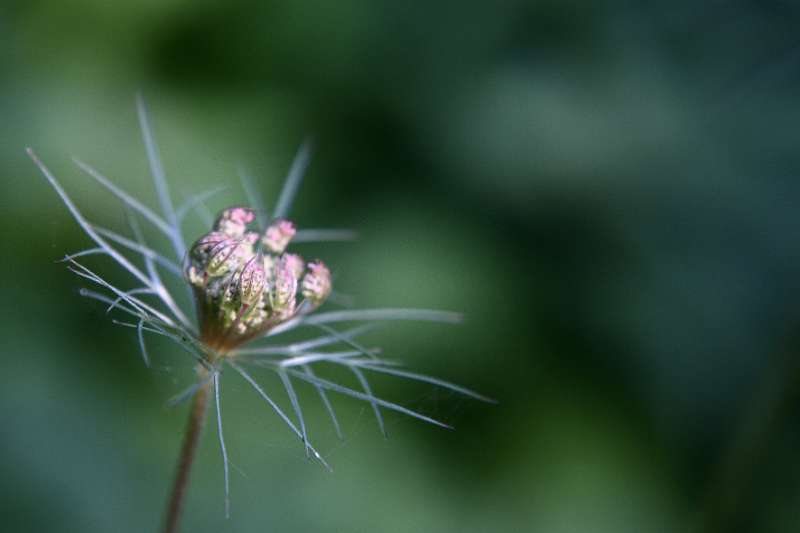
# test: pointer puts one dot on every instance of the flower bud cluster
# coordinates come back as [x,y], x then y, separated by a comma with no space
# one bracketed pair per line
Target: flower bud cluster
[245,283]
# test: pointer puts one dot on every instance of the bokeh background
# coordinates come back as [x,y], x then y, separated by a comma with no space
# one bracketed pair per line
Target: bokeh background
[608,190]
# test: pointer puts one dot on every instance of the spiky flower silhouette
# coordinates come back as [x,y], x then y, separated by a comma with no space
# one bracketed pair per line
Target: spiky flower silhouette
[246,289]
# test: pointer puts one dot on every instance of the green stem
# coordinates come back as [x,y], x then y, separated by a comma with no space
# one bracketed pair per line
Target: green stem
[194,429]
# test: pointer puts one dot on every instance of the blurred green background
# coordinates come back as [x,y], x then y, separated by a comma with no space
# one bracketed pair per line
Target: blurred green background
[608,190]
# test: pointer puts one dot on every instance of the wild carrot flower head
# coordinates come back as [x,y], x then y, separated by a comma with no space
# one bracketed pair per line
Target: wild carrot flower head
[242,292]
[247,290]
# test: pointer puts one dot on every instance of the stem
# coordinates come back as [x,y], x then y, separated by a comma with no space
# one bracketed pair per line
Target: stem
[194,428]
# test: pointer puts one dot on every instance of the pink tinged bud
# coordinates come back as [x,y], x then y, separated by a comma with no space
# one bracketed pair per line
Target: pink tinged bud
[234,221]
[240,215]
[316,284]
[252,281]
[223,257]
[278,235]
[283,289]
[295,264]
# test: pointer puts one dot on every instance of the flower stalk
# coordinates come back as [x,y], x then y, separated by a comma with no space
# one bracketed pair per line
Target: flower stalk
[191,438]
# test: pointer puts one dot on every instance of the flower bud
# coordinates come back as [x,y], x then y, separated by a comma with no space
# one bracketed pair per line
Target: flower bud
[244,282]
[252,281]
[233,221]
[316,284]
[223,257]
[278,235]
[283,289]
[295,264]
